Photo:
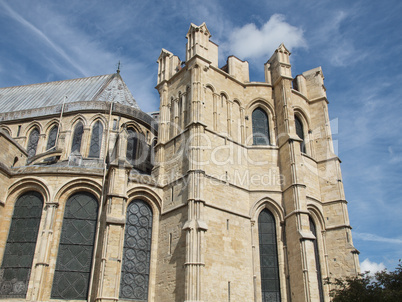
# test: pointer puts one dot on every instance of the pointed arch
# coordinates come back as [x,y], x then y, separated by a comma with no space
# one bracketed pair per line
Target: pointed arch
[267,107]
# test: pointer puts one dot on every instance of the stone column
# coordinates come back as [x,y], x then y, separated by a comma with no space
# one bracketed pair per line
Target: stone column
[41,265]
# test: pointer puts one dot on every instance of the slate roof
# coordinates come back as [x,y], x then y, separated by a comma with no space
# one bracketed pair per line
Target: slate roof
[108,88]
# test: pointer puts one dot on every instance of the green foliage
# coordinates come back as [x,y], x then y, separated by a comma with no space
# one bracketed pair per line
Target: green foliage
[383,287]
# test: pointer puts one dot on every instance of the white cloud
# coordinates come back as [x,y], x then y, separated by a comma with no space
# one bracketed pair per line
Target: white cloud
[252,42]
[372,267]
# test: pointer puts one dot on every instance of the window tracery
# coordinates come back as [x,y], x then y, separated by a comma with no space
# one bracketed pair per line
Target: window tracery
[74,259]
[20,247]
[33,142]
[137,252]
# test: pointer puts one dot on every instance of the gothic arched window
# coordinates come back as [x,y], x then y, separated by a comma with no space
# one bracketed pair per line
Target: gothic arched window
[317,260]
[132,145]
[77,137]
[74,259]
[300,133]
[96,140]
[20,247]
[137,252]
[33,142]
[51,141]
[260,127]
[270,286]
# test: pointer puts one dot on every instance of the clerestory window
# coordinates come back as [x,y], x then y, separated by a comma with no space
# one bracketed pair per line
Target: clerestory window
[51,141]
[96,140]
[33,142]
[77,137]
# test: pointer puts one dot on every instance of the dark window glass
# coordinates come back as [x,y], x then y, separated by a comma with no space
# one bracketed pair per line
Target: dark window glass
[300,133]
[137,252]
[260,127]
[77,137]
[317,260]
[96,140]
[132,145]
[20,247]
[51,141]
[74,259]
[270,287]
[33,142]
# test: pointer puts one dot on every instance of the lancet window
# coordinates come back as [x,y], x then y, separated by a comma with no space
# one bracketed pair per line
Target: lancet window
[300,133]
[77,137]
[96,140]
[260,127]
[33,142]
[132,145]
[317,260]
[270,286]
[51,141]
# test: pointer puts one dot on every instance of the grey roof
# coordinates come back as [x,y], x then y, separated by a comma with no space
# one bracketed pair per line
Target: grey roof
[109,88]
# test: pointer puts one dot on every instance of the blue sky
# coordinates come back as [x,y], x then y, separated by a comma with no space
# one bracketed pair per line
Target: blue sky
[357,43]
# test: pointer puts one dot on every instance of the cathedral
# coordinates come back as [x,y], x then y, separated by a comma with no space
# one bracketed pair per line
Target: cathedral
[230,192]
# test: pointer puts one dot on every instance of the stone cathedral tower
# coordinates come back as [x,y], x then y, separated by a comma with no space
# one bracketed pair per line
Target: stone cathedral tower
[253,195]
[232,192]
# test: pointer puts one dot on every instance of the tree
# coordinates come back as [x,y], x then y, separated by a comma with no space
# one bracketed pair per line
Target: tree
[384,286]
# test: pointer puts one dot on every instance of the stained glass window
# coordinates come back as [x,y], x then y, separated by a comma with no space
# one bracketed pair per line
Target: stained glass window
[260,127]
[270,287]
[20,247]
[96,140]
[300,133]
[132,145]
[33,142]
[77,137]
[317,260]
[51,141]
[136,252]
[74,259]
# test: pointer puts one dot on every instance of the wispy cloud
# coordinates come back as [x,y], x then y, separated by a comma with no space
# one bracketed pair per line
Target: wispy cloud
[376,238]
[34,30]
